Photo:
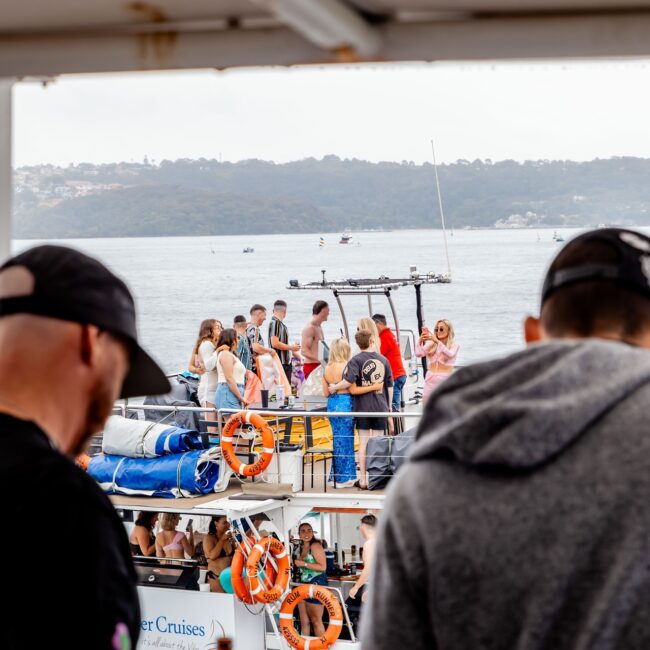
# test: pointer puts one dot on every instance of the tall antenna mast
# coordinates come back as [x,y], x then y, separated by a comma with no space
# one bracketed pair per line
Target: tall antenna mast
[442,214]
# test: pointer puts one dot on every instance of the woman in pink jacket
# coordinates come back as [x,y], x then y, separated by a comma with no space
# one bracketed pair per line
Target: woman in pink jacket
[441,351]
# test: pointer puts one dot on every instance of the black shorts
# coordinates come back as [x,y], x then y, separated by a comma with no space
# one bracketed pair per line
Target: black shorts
[378,424]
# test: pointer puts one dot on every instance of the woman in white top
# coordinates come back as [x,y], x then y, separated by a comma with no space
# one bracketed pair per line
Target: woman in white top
[203,362]
[232,373]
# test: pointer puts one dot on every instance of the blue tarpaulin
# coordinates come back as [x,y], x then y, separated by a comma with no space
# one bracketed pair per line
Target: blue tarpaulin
[174,475]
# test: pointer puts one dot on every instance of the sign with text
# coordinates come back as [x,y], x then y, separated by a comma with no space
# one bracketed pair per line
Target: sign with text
[194,620]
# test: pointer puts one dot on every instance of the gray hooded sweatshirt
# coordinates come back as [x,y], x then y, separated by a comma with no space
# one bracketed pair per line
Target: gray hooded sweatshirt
[523,517]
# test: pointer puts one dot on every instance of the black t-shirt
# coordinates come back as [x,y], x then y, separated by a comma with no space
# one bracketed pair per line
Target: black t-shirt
[65,565]
[365,369]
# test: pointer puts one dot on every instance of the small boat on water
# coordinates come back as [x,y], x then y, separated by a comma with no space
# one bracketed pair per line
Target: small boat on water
[557,237]
[346,238]
[248,249]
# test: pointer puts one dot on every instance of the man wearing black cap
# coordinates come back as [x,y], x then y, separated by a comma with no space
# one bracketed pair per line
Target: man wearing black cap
[522,518]
[69,349]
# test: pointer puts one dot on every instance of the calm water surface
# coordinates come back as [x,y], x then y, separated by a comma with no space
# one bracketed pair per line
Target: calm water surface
[178,281]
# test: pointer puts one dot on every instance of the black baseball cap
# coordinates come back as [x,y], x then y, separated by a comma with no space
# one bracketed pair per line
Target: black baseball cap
[71,286]
[631,270]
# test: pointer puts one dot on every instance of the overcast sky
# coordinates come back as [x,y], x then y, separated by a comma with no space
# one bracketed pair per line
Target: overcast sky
[574,110]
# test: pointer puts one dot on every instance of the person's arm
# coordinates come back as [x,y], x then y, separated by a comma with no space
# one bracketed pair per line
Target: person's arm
[423,348]
[188,544]
[341,385]
[227,363]
[160,551]
[208,356]
[192,368]
[213,547]
[368,554]
[349,377]
[362,390]
[142,537]
[275,342]
[258,348]
[448,354]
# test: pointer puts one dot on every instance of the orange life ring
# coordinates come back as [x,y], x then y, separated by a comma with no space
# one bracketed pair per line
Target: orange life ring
[277,550]
[239,583]
[234,422]
[334,610]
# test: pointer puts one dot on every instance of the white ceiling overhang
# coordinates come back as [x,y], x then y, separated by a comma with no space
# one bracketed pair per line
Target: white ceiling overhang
[44,38]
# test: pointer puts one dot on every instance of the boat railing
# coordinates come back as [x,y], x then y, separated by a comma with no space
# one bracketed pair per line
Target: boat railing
[314,447]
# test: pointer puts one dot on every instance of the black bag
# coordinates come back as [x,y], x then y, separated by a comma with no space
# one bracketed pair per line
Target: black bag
[378,461]
[401,449]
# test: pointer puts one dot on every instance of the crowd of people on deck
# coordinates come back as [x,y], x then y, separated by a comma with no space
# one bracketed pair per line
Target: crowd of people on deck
[157,535]
[370,381]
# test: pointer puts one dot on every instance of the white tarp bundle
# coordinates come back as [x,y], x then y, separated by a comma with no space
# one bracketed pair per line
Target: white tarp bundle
[142,439]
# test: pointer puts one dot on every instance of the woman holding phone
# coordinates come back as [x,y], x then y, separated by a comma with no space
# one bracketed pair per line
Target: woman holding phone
[440,350]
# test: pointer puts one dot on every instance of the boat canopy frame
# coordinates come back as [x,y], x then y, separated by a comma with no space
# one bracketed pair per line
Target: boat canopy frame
[381,286]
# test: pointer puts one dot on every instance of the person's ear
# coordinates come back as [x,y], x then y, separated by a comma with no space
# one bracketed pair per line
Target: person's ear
[88,344]
[533,330]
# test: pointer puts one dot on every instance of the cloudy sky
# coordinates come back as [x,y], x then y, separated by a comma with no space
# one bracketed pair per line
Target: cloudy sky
[574,110]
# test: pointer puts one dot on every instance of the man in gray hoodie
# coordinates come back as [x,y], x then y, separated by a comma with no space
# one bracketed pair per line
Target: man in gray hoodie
[522,520]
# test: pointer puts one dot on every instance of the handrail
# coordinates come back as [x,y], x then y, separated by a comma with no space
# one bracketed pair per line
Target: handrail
[276,413]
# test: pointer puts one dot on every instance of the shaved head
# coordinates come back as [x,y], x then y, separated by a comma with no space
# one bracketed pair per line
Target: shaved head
[65,376]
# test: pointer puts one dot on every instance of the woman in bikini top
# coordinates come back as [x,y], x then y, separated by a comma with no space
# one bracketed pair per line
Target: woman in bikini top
[219,549]
[171,542]
[142,540]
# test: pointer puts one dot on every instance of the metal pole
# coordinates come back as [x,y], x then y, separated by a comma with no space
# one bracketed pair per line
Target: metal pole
[420,317]
[442,214]
[393,310]
[345,320]
[369,305]
[5,168]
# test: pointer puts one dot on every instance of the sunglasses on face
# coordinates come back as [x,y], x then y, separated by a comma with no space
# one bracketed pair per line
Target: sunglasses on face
[440,329]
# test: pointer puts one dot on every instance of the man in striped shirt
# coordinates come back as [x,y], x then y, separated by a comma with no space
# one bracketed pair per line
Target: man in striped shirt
[279,337]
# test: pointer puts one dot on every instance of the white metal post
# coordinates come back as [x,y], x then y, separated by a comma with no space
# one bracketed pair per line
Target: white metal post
[6,185]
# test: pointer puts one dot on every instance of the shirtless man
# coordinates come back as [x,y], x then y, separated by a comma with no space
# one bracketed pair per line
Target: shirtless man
[312,334]
[368,531]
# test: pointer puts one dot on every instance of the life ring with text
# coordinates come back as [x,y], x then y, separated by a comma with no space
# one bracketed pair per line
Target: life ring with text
[239,581]
[276,549]
[334,610]
[234,422]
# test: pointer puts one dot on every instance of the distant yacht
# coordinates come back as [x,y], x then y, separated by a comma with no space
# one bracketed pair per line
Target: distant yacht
[557,237]
[346,238]
[248,249]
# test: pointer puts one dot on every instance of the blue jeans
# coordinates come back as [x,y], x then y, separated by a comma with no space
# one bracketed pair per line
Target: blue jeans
[398,384]
[224,397]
